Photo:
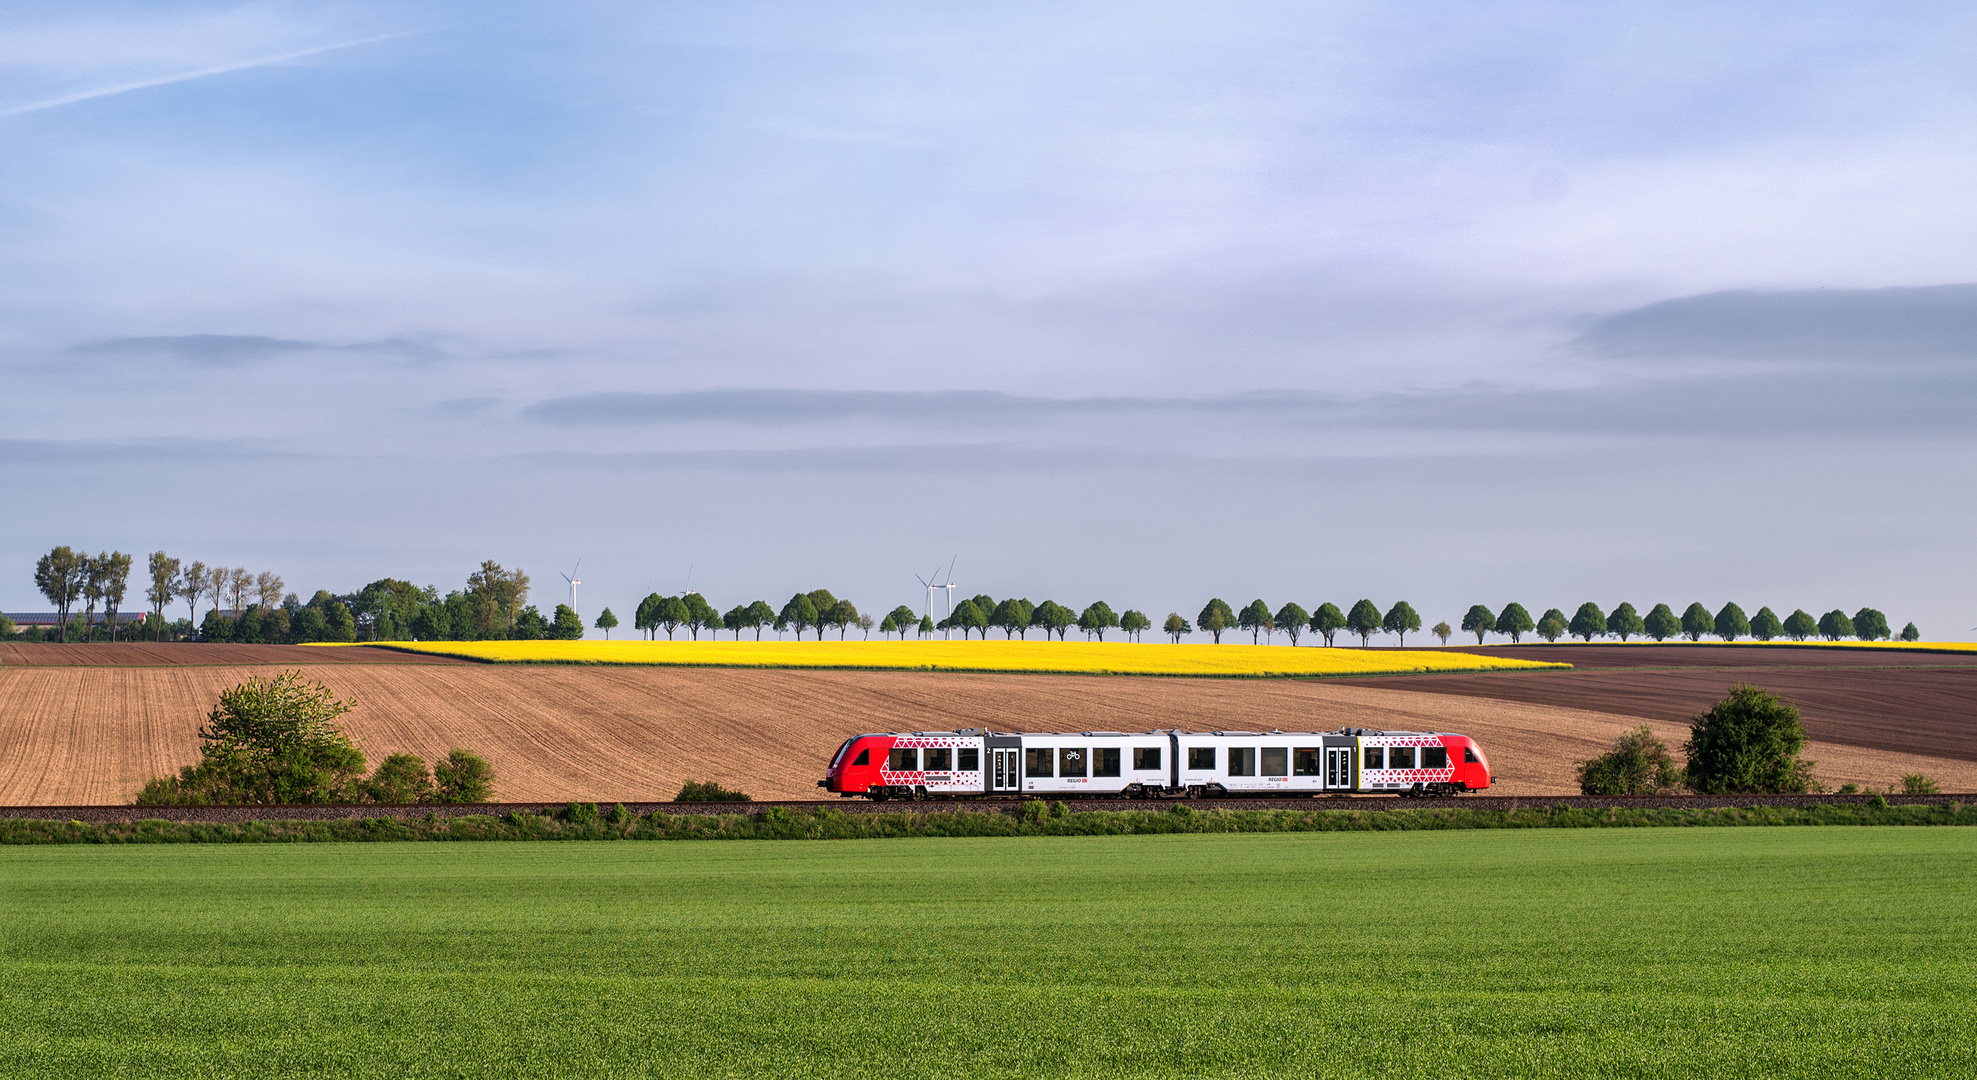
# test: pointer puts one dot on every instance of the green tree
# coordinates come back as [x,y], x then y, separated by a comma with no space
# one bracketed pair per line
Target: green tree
[1096,619]
[92,593]
[400,779]
[1661,623]
[1552,625]
[1588,622]
[497,596]
[904,619]
[190,587]
[1910,633]
[1256,619]
[1215,617]
[1478,621]
[115,568]
[1514,623]
[1012,617]
[1697,621]
[797,615]
[163,588]
[530,625]
[1442,630]
[1748,742]
[926,626]
[825,606]
[1730,623]
[1401,620]
[606,622]
[60,575]
[1625,622]
[1363,620]
[565,625]
[1835,625]
[1292,620]
[1638,764]
[1870,625]
[1327,620]
[646,618]
[462,777]
[1799,625]
[1176,627]
[700,615]
[887,625]
[967,616]
[269,740]
[1134,623]
[1765,625]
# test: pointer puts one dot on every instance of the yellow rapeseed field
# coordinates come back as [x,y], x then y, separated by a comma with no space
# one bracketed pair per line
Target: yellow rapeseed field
[1067,657]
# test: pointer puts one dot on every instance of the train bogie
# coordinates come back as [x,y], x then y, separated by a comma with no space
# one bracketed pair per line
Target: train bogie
[972,763]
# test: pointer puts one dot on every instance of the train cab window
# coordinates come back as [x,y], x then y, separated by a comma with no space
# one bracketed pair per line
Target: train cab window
[1376,757]
[1434,757]
[1036,762]
[1105,761]
[1304,761]
[1400,757]
[971,759]
[903,760]
[1202,758]
[940,759]
[1146,758]
[1276,761]
[1070,761]
[1242,761]
[1469,755]
[864,757]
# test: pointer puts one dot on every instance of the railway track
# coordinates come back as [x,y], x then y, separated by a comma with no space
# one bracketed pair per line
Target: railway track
[238,814]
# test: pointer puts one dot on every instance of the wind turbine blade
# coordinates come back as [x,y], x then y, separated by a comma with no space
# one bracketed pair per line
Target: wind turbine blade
[950,568]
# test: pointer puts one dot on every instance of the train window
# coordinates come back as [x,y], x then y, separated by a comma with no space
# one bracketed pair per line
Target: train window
[903,760]
[940,759]
[839,756]
[1105,761]
[1036,762]
[971,759]
[1376,757]
[1304,761]
[1201,757]
[1070,761]
[1400,757]
[1434,757]
[1276,761]
[864,757]
[1146,757]
[1242,761]
[1469,755]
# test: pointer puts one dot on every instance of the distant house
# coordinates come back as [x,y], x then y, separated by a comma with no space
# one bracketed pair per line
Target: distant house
[25,619]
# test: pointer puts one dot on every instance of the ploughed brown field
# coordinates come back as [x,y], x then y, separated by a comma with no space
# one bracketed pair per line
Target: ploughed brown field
[93,729]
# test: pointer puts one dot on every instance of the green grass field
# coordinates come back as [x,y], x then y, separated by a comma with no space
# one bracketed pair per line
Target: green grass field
[1816,952]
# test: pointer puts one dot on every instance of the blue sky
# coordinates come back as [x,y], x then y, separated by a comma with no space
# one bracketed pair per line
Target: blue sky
[1142,302]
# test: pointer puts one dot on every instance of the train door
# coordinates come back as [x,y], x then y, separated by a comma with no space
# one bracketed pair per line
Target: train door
[1005,775]
[1338,768]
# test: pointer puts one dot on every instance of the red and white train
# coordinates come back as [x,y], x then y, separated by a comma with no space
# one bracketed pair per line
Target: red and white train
[972,764]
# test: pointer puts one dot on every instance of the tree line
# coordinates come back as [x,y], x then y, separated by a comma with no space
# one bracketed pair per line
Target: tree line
[1695,623]
[819,611]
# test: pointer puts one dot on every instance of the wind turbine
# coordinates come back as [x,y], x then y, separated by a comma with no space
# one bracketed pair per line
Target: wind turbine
[934,585]
[574,581]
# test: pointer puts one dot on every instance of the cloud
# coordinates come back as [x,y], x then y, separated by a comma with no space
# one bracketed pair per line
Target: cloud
[65,453]
[241,350]
[196,73]
[1937,322]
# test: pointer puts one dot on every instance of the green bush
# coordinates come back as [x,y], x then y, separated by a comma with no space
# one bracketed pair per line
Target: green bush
[619,815]
[580,813]
[1058,809]
[1917,784]
[462,777]
[1748,743]
[707,791]
[400,778]
[269,740]
[1638,764]
[1035,810]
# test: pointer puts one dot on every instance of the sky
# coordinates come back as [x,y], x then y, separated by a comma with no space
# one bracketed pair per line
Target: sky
[1144,302]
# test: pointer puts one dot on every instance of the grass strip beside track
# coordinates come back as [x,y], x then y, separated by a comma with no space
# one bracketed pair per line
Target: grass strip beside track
[584,822]
[1549,953]
[1031,657]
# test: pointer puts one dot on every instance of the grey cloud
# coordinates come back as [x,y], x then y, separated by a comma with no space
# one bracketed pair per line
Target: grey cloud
[786,407]
[1937,322]
[948,458]
[241,350]
[138,452]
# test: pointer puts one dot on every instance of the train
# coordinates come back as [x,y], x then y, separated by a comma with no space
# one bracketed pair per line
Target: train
[973,763]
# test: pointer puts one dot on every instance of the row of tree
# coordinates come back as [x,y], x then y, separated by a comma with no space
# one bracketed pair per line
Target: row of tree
[1695,623]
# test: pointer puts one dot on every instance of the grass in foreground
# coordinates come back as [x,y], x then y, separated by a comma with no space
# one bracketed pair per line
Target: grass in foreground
[1679,953]
[1067,657]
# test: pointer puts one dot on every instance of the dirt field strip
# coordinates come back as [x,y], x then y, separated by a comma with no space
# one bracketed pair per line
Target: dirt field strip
[91,734]
[175,654]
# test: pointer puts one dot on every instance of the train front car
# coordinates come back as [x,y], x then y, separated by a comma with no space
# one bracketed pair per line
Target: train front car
[1471,766]
[909,765]
[1420,763]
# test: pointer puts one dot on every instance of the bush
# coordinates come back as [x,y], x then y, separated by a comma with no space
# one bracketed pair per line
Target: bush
[1917,784]
[463,777]
[1638,764]
[400,778]
[619,815]
[1748,743]
[269,740]
[580,813]
[1035,810]
[707,791]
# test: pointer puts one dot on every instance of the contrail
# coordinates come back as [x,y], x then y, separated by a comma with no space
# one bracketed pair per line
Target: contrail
[222,69]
